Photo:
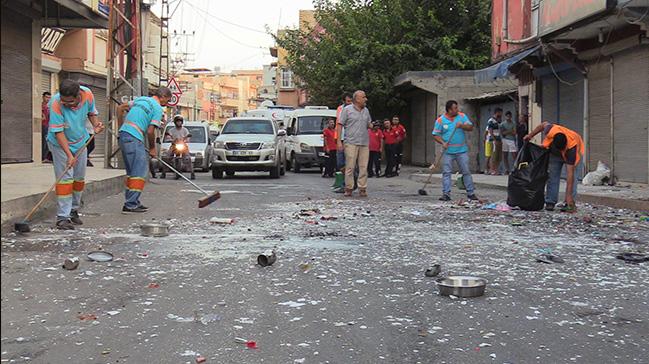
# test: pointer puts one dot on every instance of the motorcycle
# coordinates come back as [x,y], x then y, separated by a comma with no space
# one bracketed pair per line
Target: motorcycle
[178,157]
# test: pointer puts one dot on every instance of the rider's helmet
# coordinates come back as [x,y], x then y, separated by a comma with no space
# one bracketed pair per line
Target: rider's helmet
[179,118]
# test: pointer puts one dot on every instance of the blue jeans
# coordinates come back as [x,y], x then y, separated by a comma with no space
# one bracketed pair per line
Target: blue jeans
[554,179]
[340,159]
[462,160]
[137,164]
[70,187]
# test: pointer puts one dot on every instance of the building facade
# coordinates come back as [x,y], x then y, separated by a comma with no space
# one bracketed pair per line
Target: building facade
[583,64]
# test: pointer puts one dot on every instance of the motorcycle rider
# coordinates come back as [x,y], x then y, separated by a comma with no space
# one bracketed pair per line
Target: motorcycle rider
[179,134]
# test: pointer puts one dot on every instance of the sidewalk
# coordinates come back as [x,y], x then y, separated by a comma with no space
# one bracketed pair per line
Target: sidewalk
[23,185]
[631,196]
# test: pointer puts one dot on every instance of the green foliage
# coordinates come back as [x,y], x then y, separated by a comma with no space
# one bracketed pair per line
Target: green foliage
[366,44]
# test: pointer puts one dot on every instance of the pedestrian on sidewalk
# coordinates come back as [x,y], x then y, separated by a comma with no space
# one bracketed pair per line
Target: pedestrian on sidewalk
[566,148]
[339,182]
[510,149]
[521,130]
[144,116]
[456,148]
[46,156]
[488,150]
[329,137]
[400,132]
[356,119]
[493,128]
[67,135]
[376,136]
[390,138]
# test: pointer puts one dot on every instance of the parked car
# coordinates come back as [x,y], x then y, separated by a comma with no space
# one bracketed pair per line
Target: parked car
[249,144]
[275,113]
[200,148]
[304,142]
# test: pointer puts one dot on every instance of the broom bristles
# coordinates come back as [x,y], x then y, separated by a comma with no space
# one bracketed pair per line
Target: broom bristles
[208,199]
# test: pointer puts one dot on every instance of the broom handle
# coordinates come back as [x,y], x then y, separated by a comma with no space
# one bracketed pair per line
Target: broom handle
[40,202]
[439,158]
[183,176]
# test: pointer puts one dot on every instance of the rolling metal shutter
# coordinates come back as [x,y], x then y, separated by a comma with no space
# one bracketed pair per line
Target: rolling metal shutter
[599,107]
[631,116]
[17,118]
[46,81]
[102,107]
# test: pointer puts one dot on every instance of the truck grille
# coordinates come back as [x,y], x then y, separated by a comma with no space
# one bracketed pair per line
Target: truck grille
[243,158]
[242,146]
[319,150]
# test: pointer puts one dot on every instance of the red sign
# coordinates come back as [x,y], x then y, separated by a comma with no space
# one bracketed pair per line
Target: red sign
[175,99]
[174,87]
[558,14]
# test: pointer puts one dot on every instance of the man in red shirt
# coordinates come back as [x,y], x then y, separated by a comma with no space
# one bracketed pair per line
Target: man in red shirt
[400,132]
[391,142]
[376,136]
[329,137]
[46,156]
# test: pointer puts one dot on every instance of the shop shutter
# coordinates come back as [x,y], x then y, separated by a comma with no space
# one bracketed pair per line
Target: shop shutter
[16,110]
[46,81]
[599,107]
[102,107]
[631,119]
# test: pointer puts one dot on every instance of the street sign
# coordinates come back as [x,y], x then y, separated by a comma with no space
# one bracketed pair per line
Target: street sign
[173,86]
[175,98]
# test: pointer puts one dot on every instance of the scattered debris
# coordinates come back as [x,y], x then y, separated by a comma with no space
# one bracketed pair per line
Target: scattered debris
[200,359]
[433,271]
[87,317]
[71,263]
[100,256]
[221,221]
[154,285]
[266,260]
[633,258]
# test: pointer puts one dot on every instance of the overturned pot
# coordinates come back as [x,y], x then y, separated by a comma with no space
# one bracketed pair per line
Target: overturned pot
[155,230]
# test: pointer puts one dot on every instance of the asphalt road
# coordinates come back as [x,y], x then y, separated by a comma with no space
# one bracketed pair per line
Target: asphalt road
[344,290]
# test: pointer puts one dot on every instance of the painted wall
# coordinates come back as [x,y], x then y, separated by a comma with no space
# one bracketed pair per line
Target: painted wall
[518,26]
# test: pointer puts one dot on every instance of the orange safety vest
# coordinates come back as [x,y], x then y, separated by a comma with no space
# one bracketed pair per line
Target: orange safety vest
[573,140]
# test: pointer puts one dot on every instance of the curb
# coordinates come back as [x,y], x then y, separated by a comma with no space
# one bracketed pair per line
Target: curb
[16,209]
[618,203]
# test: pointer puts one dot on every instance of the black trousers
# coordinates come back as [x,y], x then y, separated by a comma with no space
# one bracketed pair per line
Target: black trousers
[330,164]
[374,165]
[398,155]
[91,146]
[391,156]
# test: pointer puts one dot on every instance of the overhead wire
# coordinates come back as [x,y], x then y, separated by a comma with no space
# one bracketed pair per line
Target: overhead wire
[226,35]
[207,13]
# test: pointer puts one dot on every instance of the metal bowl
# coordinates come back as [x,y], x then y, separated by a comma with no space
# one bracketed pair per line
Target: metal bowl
[156,230]
[461,286]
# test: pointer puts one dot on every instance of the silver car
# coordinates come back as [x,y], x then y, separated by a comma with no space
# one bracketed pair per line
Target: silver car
[200,148]
[249,144]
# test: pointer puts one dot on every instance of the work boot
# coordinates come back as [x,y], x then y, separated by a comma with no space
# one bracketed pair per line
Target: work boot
[139,209]
[472,197]
[362,192]
[348,192]
[74,218]
[445,197]
[193,176]
[549,206]
[64,225]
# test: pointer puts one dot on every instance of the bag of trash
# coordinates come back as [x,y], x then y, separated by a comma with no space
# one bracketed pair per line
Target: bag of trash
[597,177]
[526,185]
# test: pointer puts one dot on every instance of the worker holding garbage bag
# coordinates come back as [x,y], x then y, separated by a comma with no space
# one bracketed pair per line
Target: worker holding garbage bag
[565,147]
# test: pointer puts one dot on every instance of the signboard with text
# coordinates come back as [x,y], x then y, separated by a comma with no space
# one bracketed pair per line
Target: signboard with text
[558,14]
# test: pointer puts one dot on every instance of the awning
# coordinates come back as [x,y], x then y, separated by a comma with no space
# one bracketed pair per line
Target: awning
[501,69]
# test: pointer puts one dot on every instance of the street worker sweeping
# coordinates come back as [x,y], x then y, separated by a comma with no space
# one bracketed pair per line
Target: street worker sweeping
[144,116]
[455,148]
[566,147]
[67,139]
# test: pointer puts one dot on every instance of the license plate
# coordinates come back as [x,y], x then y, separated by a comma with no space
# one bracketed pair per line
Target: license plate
[241,152]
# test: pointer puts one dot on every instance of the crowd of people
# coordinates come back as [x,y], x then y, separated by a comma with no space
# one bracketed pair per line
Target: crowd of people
[383,138]
[503,140]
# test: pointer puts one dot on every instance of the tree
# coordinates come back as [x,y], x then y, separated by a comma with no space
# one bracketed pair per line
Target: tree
[366,44]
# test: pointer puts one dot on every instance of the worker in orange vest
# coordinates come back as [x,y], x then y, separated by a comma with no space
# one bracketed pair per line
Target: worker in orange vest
[566,147]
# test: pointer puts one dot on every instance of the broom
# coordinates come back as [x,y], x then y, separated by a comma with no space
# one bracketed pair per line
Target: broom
[209,197]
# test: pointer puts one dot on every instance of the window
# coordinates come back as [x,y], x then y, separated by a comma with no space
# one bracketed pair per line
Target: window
[287,78]
[248,127]
[312,124]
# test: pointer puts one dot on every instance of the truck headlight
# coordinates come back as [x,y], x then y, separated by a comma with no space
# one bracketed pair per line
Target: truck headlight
[268,145]
[306,148]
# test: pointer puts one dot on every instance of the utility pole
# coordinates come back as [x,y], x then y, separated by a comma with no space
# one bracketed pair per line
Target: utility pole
[183,58]
[163,77]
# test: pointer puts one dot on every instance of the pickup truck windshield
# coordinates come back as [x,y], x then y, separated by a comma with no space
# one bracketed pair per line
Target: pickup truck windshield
[311,124]
[248,127]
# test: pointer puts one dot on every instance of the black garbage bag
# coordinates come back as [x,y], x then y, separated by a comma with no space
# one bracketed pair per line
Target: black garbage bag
[526,185]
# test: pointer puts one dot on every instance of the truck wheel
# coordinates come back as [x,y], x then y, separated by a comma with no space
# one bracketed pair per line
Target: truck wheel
[217,173]
[275,171]
[282,171]
[295,164]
